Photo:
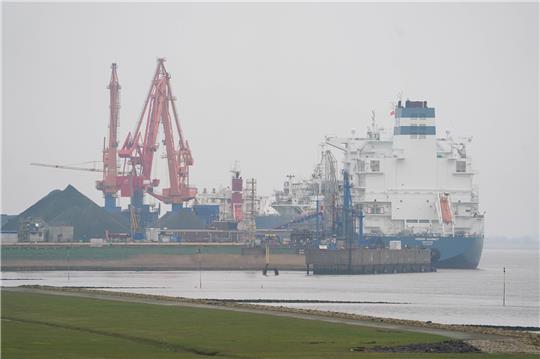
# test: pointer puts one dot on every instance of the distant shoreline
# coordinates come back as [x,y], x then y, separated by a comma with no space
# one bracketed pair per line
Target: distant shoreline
[525,243]
[516,247]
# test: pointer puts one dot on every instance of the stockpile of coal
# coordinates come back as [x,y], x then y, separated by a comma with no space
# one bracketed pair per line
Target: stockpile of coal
[6,218]
[71,208]
[183,219]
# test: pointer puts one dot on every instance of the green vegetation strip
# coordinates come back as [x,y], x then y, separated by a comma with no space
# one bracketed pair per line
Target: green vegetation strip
[159,343]
[526,337]
[53,326]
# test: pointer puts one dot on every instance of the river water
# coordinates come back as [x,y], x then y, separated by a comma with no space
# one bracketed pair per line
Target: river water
[447,296]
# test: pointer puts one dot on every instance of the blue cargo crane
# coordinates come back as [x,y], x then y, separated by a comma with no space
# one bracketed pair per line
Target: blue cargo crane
[349,214]
[346,214]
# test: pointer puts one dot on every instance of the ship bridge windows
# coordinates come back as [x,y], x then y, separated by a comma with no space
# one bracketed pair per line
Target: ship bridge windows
[422,131]
[415,129]
[375,210]
[414,132]
[418,131]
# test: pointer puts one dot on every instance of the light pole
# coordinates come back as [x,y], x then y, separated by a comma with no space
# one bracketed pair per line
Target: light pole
[68,264]
[200,272]
[504,286]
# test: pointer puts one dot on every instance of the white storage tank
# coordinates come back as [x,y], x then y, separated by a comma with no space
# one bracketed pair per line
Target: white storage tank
[152,234]
[9,237]
[96,242]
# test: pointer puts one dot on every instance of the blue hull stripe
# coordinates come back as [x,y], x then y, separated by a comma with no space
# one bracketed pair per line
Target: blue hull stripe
[453,252]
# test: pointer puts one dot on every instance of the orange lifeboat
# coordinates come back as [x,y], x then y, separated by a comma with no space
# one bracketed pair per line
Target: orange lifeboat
[446,211]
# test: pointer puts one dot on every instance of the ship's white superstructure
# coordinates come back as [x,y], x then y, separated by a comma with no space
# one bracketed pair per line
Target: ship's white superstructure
[221,197]
[410,181]
[297,196]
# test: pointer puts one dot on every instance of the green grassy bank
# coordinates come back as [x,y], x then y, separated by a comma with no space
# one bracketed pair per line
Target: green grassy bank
[51,326]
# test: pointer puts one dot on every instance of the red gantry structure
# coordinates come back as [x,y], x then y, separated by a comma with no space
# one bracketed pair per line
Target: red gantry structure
[139,148]
[138,152]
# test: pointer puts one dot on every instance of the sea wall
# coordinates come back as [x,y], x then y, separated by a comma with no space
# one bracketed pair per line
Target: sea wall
[144,257]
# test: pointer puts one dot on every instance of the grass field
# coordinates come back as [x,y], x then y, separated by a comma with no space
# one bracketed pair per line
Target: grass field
[51,326]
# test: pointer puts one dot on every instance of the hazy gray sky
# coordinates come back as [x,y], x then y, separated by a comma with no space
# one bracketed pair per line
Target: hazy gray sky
[262,84]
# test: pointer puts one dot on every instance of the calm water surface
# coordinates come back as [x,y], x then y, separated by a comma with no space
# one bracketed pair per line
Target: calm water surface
[447,296]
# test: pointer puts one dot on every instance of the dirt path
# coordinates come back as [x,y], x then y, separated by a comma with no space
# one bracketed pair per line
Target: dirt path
[487,339]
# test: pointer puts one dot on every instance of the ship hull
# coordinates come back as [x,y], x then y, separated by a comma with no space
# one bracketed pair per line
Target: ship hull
[448,252]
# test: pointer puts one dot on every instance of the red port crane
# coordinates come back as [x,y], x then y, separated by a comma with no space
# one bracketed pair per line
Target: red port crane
[138,148]
[108,185]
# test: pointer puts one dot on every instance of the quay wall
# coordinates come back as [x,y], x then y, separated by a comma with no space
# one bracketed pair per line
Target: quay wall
[368,261]
[132,256]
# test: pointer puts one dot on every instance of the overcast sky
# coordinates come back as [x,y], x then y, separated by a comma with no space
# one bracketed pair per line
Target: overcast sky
[263,84]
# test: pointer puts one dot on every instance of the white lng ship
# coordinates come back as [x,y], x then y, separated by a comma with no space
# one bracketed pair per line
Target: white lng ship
[415,188]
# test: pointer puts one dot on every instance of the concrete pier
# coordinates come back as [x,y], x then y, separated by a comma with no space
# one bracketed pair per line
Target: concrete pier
[369,261]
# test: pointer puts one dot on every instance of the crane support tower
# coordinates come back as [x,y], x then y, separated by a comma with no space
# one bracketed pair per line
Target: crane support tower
[351,222]
[250,211]
[108,185]
[237,201]
[139,148]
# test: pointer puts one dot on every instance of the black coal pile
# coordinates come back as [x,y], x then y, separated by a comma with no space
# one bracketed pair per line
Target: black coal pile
[6,218]
[71,208]
[183,219]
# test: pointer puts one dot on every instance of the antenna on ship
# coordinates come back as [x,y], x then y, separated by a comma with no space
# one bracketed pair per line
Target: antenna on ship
[235,170]
[373,131]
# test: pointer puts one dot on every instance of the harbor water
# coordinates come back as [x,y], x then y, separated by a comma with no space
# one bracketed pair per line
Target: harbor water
[446,296]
